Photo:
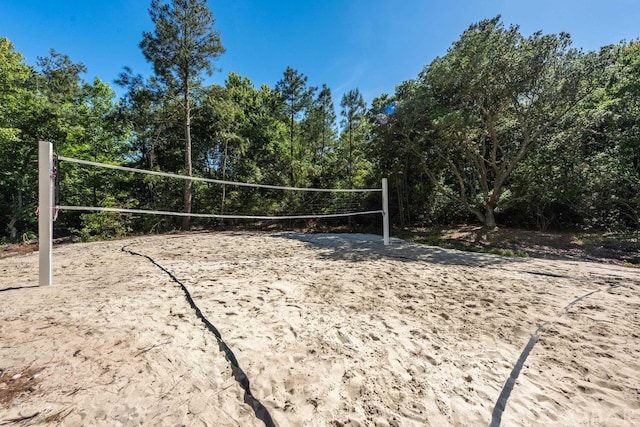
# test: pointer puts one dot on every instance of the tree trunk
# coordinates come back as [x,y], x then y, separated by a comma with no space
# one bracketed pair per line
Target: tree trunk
[350,175]
[293,181]
[11,228]
[95,185]
[400,202]
[186,221]
[489,218]
[224,178]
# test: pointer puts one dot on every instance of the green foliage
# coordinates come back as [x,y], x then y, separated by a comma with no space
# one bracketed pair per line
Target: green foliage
[353,111]
[582,174]
[524,130]
[181,48]
[296,99]
[488,125]
[104,225]
[18,105]
[183,44]
[493,145]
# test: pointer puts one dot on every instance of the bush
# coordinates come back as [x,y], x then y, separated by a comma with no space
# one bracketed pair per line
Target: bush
[104,225]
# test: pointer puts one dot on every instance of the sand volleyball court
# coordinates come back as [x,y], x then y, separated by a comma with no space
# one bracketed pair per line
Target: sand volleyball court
[330,330]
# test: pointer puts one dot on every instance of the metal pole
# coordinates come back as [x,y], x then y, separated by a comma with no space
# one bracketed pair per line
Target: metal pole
[45,211]
[385,211]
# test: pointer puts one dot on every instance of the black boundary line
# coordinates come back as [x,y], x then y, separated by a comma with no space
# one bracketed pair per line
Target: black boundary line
[501,403]
[258,408]
[15,288]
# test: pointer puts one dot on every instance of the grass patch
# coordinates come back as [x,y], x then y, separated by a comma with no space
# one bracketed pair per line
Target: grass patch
[622,248]
[625,238]
[475,240]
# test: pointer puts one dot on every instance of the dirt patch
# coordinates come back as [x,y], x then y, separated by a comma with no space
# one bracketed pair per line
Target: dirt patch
[13,249]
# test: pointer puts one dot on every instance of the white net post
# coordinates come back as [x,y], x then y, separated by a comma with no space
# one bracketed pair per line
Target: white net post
[45,212]
[385,211]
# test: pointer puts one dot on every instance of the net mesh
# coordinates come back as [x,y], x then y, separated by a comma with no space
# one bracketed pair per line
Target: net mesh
[161,193]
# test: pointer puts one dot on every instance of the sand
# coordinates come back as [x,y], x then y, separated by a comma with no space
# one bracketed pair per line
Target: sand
[331,330]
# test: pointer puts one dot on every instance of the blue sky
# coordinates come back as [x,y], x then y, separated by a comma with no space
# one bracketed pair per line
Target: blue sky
[372,45]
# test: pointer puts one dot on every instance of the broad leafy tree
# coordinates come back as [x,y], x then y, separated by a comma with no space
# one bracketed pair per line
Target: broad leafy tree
[612,148]
[18,107]
[51,102]
[500,95]
[586,171]
[627,92]
[220,143]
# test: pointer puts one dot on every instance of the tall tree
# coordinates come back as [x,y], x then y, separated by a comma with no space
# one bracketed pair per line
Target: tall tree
[14,91]
[327,116]
[297,97]
[142,110]
[61,76]
[353,110]
[218,127]
[612,144]
[318,131]
[182,47]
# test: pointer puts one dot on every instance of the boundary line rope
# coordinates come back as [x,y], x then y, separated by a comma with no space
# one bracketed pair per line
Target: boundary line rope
[217,181]
[259,409]
[501,403]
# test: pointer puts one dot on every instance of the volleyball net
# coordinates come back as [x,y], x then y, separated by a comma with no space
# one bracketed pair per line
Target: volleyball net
[231,200]
[311,203]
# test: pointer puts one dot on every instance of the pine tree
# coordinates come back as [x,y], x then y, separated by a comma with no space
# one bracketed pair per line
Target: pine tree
[297,98]
[182,47]
[353,110]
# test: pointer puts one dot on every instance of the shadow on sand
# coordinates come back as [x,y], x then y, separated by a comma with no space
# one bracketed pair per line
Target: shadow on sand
[361,247]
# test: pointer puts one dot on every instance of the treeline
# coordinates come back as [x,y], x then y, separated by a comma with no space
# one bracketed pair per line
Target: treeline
[503,129]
